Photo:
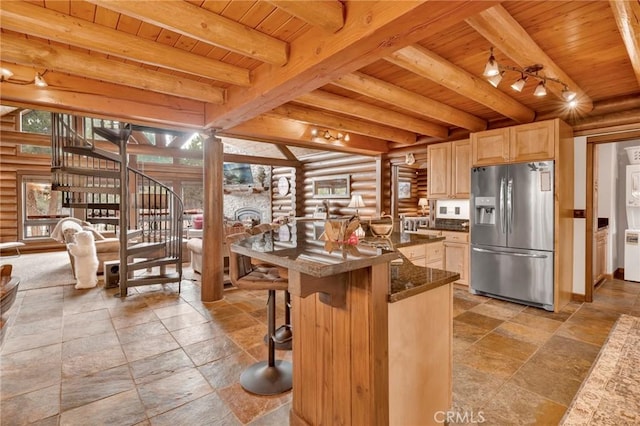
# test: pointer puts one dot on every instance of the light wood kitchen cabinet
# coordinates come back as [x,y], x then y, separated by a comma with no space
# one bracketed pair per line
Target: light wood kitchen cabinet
[456,254]
[435,255]
[427,255]
[449,169]
[600,267]
[415,394]
[527,142]
[490,147]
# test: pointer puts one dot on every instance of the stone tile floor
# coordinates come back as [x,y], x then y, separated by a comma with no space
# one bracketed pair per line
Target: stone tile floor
[84,357]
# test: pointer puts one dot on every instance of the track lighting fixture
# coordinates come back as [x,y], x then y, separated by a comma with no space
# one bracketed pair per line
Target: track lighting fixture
[491,69]
[39,80]
[6,75]
[328,135]
[494,73]
[518,85]
[541,90]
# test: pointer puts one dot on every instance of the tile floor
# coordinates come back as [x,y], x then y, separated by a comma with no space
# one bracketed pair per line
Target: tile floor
[79,357]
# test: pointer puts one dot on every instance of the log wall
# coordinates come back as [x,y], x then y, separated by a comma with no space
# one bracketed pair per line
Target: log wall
[365,176]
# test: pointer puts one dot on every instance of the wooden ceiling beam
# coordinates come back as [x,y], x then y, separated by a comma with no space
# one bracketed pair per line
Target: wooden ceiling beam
[386,92]
[286,152]
[508,36]
[340,104]
[71,94]
[281,130]
[140,138]
[38,54]
[328,15]
[252,159]
[344,124]
[372,30]
[46,23]
[627,14]
[178,141]
[45,140]
[198,23]
[427,64]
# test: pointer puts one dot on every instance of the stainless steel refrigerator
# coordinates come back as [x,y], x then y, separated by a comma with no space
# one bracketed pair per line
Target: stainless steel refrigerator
[512,208]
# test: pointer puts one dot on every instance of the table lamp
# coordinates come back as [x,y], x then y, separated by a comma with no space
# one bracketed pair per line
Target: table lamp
[356,202]
[423,203]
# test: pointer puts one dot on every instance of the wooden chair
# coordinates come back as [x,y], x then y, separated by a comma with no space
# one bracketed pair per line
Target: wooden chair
[273,376]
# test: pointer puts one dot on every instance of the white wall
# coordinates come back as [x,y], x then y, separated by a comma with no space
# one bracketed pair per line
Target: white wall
[579,203]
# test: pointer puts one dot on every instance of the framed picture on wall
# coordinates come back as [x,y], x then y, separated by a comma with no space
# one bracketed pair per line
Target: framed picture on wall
[404,189]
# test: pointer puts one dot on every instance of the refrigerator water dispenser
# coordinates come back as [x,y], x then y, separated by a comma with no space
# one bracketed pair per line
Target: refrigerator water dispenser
[485,213]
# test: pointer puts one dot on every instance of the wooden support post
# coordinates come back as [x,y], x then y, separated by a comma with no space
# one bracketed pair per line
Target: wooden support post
[212,287]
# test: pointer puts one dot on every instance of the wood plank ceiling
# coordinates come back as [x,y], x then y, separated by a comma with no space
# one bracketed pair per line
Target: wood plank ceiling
[387,73]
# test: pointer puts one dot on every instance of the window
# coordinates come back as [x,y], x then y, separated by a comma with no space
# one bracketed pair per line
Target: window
[193,196]
[35,122]
[41,207]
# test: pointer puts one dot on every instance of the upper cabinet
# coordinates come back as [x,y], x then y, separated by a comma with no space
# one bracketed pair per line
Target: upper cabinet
[527,142]
[449,169]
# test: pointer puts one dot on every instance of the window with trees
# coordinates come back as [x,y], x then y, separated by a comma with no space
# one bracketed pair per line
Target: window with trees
[41,207]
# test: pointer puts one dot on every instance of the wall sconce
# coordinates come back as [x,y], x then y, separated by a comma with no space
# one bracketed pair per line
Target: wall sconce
[38,80]
[423,203]
[339,136]
[494,73]
[409,159]
[356,202]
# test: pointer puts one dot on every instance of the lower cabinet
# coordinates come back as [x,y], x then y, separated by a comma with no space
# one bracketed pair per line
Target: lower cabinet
[600,266]
[429,255]
[420,357]
[456,254]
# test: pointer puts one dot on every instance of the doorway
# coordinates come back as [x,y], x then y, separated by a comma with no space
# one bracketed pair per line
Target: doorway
[591,213]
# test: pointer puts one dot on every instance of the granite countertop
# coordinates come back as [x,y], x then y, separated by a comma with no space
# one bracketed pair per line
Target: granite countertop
[408,279]
[302,252]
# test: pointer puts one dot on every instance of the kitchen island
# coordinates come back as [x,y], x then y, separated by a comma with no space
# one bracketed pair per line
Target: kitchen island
[372,331]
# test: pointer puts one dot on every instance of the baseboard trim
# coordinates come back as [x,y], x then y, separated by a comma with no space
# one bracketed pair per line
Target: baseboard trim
[575,297]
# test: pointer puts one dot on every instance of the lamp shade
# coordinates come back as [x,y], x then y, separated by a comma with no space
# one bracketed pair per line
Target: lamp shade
[423,202]
[356,202]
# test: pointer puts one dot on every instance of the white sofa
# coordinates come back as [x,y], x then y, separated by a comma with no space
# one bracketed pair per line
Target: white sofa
[106,248]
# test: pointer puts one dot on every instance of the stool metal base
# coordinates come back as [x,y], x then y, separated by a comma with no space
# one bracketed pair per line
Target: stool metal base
[282,339]
[261,379]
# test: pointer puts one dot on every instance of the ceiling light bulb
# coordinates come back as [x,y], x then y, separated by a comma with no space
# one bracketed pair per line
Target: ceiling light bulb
[540,90]
[519,84]
[568,95]
[573,103]
[314,132]
[491,68]
[39,81]
[327,135]
[6,73]
[347,138]
[496,79]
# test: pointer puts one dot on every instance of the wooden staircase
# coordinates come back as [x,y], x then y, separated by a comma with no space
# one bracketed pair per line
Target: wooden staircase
[119,197]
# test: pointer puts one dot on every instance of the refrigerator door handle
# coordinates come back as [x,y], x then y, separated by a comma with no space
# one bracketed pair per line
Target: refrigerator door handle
[510,205]
[536,256]
[502,207]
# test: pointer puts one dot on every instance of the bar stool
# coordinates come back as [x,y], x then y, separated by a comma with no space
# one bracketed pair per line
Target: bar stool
[273,376]
[283,336]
